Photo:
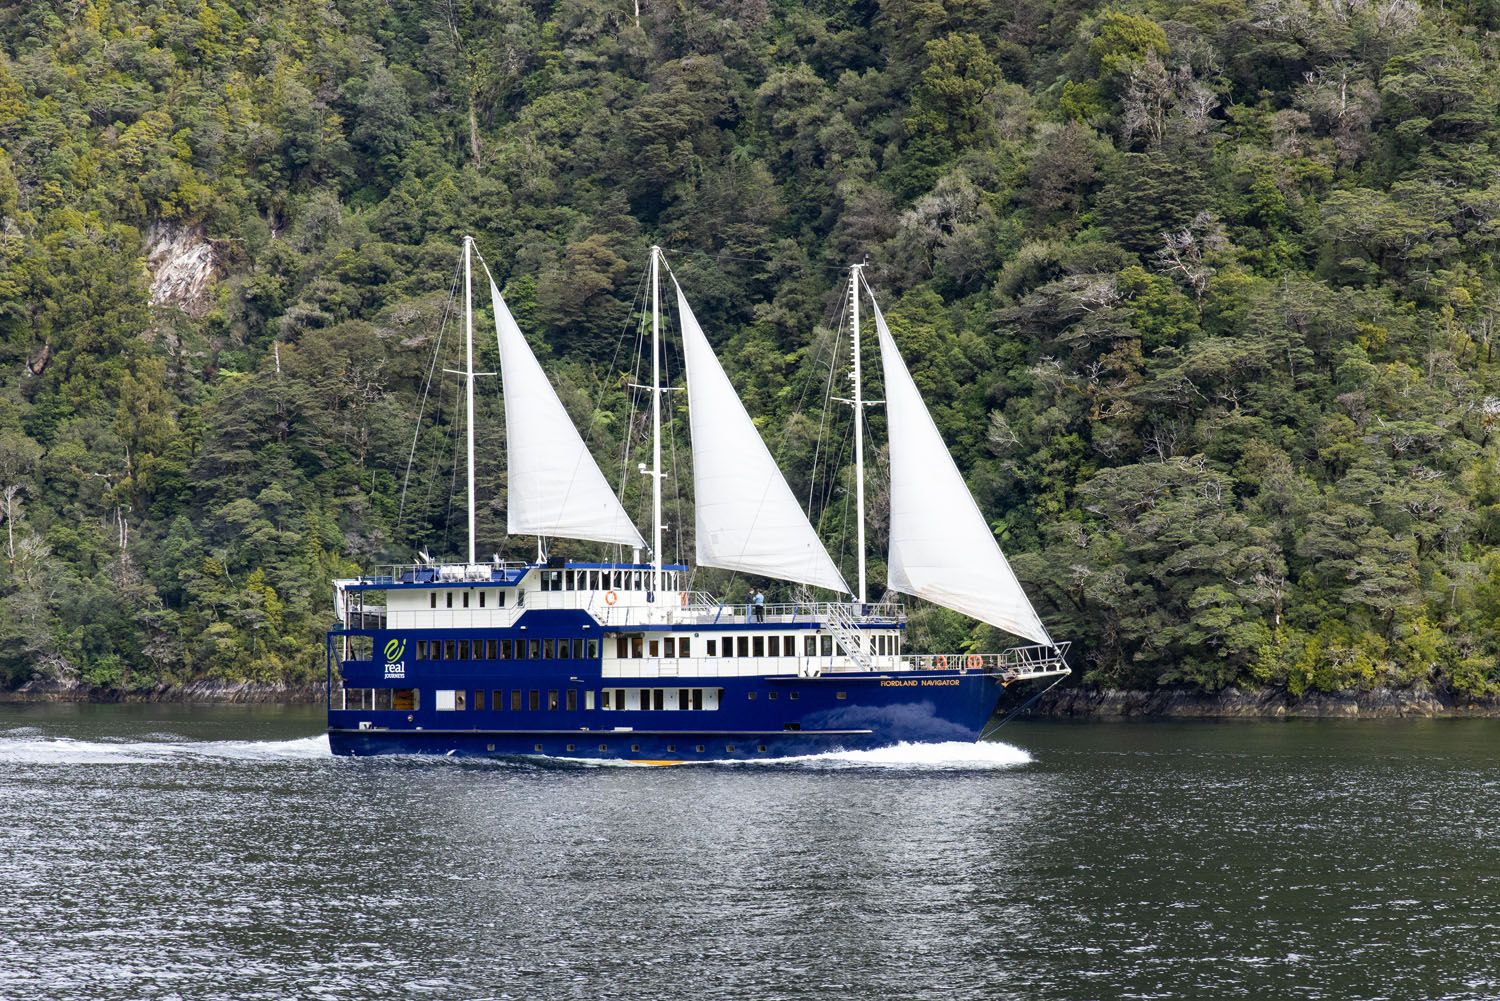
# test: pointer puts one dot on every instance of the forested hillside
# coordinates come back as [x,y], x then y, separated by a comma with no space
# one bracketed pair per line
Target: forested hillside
[1202,293]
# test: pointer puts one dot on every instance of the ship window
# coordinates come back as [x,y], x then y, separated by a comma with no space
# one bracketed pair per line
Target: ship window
[449,597]
[697,698]
[795,695]
[635,747]
[570,747]
[537,746]
[622,647]
[491,649]
[588,699]
[549,649]
[534,700]
[729,748]
[515,700]
[463,649]
[444,700]
[658,699]
[552,701]
[505,649]
[532,648]
[578,649]
[774,646]
[742,644]
[421,649]
[827,646]
[568,581]
[458,699]
[761,748]
[809,646]
[713,648]
[671,646]
[671,748]
[757,646]
[448,647]
[789,646]
[499,599]
[699,748]
[433,596]
[684,699]
[637,646]
[750,696]
[406,699]
[682,647]
[478,701]
[497,699]
[607,699]
[791,727]
[466,599]
[773,695]
[481,599]
[656,648]
[572,700]
[841,695]
[603,747]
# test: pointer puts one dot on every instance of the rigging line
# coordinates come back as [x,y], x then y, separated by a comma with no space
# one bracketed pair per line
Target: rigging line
[1020,709]
[453,479]
[833,360]
[427,388]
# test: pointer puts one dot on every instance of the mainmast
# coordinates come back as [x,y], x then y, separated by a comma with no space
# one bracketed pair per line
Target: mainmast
[655,421]
[859,429]
[469,378]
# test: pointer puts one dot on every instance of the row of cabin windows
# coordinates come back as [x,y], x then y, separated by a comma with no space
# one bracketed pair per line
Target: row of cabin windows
[556,649]
[517,699]
[432,599]
[406,699]
[636,647]
[661,699]
[605,580]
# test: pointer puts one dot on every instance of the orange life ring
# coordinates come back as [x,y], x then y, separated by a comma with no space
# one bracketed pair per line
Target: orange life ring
[610,597]
[942,663]
[682,598]
[975,662]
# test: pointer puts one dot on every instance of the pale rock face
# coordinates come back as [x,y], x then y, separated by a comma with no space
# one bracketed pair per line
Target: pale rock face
[180,261]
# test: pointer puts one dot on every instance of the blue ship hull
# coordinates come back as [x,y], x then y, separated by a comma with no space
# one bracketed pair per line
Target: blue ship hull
[450,701]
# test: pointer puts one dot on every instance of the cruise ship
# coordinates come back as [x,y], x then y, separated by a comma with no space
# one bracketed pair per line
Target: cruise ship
[622,659]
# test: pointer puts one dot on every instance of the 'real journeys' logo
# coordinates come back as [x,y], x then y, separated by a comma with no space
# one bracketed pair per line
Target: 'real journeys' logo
[395,665]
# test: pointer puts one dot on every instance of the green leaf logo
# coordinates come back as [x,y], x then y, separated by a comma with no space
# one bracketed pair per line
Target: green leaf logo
[394,649]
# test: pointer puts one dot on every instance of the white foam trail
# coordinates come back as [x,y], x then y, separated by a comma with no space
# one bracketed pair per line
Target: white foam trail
[952,755]
[66,751]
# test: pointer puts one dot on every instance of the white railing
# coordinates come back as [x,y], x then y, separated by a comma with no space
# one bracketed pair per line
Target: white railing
[1017,662]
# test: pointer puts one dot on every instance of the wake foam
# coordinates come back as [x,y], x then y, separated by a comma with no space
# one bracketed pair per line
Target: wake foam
[66,751]
[950,755]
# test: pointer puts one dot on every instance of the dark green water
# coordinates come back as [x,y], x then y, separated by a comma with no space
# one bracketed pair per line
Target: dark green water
[168,852]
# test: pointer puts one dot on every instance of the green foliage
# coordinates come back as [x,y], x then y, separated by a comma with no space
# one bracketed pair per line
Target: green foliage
[1203,296]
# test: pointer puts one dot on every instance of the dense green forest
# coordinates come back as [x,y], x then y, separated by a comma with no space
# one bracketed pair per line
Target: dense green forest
[1202,293]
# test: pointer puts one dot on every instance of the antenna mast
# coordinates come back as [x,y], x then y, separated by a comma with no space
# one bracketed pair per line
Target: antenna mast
[655,421]
[859,427]
[469,378]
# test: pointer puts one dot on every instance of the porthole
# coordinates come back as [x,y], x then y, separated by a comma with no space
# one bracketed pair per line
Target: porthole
[761,748]
[841,695]
[538,747]
[671,748]
[489,747]
[699,748]
[795,695]
[635,747]
[570,747]
[728,748]
[603,747]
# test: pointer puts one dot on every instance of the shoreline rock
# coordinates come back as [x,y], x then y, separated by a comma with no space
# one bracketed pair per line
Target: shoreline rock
[1265,703]
[210,691]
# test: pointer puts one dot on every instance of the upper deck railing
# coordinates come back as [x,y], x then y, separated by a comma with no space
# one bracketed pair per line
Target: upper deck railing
[1014,663]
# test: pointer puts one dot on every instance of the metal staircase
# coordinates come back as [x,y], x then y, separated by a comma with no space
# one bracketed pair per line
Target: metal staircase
[845,628]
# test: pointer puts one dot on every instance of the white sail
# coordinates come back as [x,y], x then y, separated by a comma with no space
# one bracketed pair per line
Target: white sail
[941,547]
[555,486]
[746,516]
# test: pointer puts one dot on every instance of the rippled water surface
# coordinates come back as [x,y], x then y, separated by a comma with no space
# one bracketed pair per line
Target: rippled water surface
[168,852]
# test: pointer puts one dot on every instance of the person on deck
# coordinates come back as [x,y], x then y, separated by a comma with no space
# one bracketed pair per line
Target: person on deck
[759,601]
